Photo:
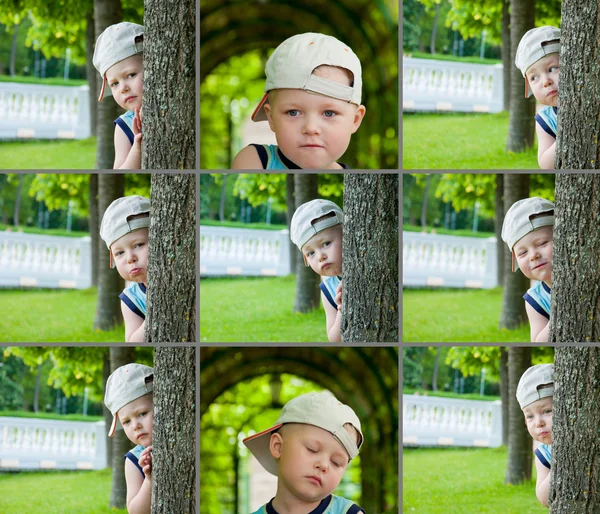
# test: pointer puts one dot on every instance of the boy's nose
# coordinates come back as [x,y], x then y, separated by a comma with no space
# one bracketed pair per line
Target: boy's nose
[310,125]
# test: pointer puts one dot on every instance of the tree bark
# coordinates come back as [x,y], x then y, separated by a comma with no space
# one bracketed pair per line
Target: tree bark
[119,356]
[306,186]
[436,17]
[508,66]
[522,124]
[575,478]
[579,121]
[169,85]
[436,368]
[425,202]
[13,51]
[105,411]
[91,72]
[172,259]
[36,394]
[94,225]
[499,218]
[520,444]
[370,258]
[575,306]
[110,284]
[504,393]
[516,187]
[289,212]
[174,431]
[223,197]
[106,13]
[17,208]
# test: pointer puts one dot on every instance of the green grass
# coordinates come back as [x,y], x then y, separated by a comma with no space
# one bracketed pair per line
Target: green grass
[461,141]
[44,316]
[45,232]
[54,81]
[239,224]
[49,415]
[256,310]
[456,315]
[438,230]
[463,481]
[445,57]
[57,492]
[43,154]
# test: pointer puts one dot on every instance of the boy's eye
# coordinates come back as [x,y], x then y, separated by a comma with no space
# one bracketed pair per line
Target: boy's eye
[131,75]
[533,78]
[326,243]
[553,68]
[113,84]
[138,245]
[311,450]
[329,114]
[293,113]
[119,252]
[310,254]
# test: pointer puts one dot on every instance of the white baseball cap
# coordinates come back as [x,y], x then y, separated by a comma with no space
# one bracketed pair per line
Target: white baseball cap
[292,63]
[518,220]
[115,223]
[534,45]
[322,410]
[302,227]
[126,384]
[115,44]
[536,383]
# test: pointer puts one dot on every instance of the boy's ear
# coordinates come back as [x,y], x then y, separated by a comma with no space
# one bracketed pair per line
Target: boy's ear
[358,117]
[267,109]
[276,445]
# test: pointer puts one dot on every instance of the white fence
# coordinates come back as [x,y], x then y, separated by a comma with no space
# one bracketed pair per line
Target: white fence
[430,85]
[449,261]
[240,251]
[32,260]
[44,112]
[28,443]
[436,421]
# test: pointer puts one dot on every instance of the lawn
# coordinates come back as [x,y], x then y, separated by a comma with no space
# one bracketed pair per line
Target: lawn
[45,154]
[463,481]
[47,315]
[460,141]
[256,310]
[57,492]
[456,315]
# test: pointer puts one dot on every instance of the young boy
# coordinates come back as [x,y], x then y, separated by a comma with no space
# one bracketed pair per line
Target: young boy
[534,394]
[312,103]
[527,230]
[537,58]
[316,230]
[128,396]
[308,449]
[118,58]
[124,229]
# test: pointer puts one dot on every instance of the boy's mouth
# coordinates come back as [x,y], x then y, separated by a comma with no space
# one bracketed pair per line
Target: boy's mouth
[135,271]
[552,93]
[540,265]
[315,479]
[130,98]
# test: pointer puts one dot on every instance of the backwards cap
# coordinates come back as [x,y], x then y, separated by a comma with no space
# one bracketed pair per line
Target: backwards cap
[536,383]
[322,410]
[114,45]
[126,384]
[302,227]
[535,45]
[518,221]
[292,63]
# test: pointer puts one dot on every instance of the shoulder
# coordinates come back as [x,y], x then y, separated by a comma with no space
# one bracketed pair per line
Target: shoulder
[341,505]
[247,159]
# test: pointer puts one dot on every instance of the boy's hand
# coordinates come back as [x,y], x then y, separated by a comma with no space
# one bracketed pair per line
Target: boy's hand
[137,128]
[146,461]
[338,297]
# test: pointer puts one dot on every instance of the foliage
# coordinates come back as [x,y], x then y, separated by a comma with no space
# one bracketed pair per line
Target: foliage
[453,58]
[11,390]
[52,155]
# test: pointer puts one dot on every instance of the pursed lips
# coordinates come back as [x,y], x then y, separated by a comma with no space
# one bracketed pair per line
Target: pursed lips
[316,478]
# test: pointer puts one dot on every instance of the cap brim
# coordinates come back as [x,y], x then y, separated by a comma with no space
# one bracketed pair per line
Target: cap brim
[113,426]
[259,444]
[102,88]
[527,92]
[259,113]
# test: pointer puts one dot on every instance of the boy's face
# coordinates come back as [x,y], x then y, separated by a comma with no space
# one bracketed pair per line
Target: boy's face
[125,82]
[311,462]
[136,418]
[323,252]
[538,418]
[313,130]
[543,79]
[130,255]
[534,254]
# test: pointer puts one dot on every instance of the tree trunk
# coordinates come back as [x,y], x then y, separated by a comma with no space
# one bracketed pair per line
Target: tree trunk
[36,394]
[575,306]
[579,121]
[119,356]
[436,17]
[289,212]
[370,258]
[436,368]
[575,445]
[520,444]
[425,202]
[105,411]
[223,197]
[174,431]
[94,225]
[106,13]
[110,284]
[18,202]
[13,51]
[306,186]
[522,110]
[169,85]
[516,187]
[172,259]
[504,393]
[91,72]
[508,66]
[499,218]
